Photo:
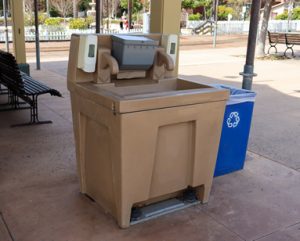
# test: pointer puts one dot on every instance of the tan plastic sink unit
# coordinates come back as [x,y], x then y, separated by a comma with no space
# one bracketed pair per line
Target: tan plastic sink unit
[142,140]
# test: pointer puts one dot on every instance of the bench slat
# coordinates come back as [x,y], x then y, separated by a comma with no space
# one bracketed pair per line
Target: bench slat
[293,38]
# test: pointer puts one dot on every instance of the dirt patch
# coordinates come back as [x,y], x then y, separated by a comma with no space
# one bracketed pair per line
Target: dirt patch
[274,57]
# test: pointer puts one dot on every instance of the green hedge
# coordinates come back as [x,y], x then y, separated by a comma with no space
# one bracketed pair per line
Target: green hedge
[296,14]
[195,17]
[53,21]
[224,11]
[285,15]
[29,19]
[8,21]
[89,20]
[115,21]
[282,16]
[78,23]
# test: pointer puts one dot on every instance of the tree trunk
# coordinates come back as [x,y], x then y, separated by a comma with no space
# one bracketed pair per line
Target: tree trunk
[74,8]
[290,12]
[108,14]
[64,16]
[261,42]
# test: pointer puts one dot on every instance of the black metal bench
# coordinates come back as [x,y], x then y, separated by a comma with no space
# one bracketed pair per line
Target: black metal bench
[289,39]
[22,86]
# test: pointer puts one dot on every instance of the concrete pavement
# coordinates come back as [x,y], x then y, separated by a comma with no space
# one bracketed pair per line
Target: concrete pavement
[39,192]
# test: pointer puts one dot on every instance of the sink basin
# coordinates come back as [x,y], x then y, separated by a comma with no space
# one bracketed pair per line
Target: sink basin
[137,95]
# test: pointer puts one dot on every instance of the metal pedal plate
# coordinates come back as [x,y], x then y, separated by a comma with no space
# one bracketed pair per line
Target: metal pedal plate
[161,208]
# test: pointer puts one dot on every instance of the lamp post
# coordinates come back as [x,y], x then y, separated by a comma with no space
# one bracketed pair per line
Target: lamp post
[5,23]
[249,65]
[129,14]
[37,35]
[215,16]
[98,15]
[47,8]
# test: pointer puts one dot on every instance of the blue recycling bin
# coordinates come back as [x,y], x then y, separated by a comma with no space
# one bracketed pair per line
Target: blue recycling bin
[235,130]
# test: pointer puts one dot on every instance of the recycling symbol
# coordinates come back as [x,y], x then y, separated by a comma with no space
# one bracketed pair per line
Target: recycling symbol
[233,120]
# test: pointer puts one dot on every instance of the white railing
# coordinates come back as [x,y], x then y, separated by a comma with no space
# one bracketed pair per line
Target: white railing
[224,27]
[284,26]
[60,35]
[242,27]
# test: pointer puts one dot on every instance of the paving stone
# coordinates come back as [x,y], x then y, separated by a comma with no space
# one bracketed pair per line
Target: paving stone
[291,233]
[258,200]
[4,234]
[59,213]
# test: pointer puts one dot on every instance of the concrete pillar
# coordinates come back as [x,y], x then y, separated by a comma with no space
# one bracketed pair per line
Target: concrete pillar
[18,30]
[165,16]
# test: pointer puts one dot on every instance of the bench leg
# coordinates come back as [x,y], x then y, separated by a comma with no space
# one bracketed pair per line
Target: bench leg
[272,46]
[12,100]
[291,48]
[34,115]
[3,91]
[13,103]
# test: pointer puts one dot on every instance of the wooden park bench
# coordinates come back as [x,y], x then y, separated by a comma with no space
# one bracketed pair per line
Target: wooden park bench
[22,86]
[274,39]
[289,39]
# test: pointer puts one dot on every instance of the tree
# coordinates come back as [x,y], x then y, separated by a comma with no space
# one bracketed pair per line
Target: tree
[223,12]
[261,41]
[260,48]
[146,5]
[285,15]
[29,10]
[83,5]
[192,4]
[237,5]
[290,9]
[108,6]
[282,16]
[64,7]
[188,4]
[137,5]
[75,3]
[29,7]
[296,14]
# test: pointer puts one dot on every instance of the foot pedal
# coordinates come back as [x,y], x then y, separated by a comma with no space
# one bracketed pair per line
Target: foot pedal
[139,215]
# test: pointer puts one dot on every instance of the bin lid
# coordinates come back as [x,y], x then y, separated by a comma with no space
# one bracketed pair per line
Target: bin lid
[237,95]
[137,40]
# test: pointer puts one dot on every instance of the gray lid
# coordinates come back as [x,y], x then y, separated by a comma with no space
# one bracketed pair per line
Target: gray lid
[133,39]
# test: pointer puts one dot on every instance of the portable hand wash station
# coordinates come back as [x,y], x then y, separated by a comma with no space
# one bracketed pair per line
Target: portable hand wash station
[146,141]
